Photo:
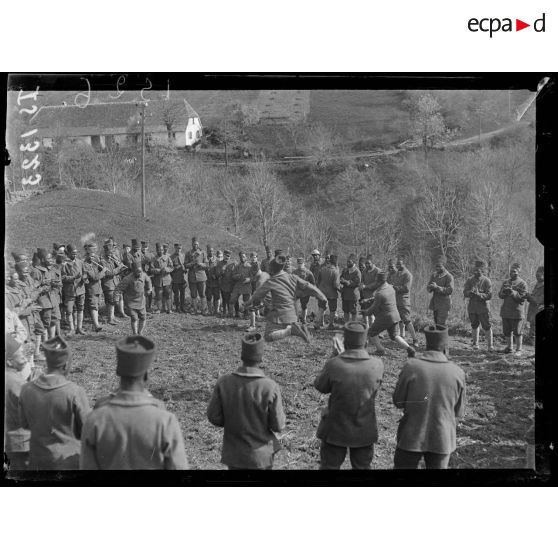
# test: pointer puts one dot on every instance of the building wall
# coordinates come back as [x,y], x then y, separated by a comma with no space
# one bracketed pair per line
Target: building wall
[193,131]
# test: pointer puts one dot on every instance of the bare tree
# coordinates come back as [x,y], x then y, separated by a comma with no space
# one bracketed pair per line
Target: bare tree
[321,143]
[169,112]
[269,200]
[233,191]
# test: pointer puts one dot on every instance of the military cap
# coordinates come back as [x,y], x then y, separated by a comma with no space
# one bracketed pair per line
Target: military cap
[107,242]
[226,252]
[355,334]
[440,260]
[300,260]
[61,249]
[194,239]
[242,253]
[381,276]
[135,243]
[134,355]
[436,337]
[391,261]
[19,256]
[333,258]
[219,253]
[90,245]
[70,248]
[253,254]
[280,256]
[352,257]
[252,347]
[480,264]
[22,265]
[55,246]
[143,242]
[540,269]
[515,266]
[315,252]
[209,247]
[12,345]
[165,245]
[177,244]
[57,352]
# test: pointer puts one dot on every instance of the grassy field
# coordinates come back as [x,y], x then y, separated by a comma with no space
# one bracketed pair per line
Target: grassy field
[193,351]
[63,215]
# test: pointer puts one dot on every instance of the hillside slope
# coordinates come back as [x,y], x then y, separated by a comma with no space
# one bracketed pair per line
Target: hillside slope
[65,215]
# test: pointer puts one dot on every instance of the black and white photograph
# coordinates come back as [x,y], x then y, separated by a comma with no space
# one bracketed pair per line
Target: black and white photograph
[280,273]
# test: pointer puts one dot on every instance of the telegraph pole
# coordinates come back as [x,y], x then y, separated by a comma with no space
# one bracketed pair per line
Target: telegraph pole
[143,160]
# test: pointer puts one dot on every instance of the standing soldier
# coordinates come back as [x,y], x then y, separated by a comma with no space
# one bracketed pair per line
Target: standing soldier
[268,257]
[213,291]
[73,289]
[283,287]
[178,278]
[368,286]
[350,283]
[134,255]
[478,289]
[196,264]
[512,311]
[328,283]
[316,263]
[94,272]
[134,288]
[60,259]
[54,409]
[248,406]
[441,287]
[361,265]
[241,276]
[48,281]
[384,309]
[391,271]
[124,270]
[254,268]
[401,282]
[536,301]
[352,379]
[152,435]
[224,273]
[305,275]
[431,392]
[110,279]
[146,258]
[161,266]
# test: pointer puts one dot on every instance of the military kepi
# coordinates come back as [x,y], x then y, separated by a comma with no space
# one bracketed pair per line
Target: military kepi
[252,347]
[354,334]
[57,352]
[436,337]
[134,355]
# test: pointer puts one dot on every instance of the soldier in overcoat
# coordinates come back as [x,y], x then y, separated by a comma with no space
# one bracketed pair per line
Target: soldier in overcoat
[350,293]
[478,289]
[441,287]
[513,292]
[178,278]
[74,278]
[196,264]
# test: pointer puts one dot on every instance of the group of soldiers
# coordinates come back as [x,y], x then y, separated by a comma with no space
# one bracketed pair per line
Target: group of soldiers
[48,420]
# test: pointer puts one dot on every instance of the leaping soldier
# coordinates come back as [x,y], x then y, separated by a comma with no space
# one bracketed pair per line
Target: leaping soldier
[134,287]
[283,287]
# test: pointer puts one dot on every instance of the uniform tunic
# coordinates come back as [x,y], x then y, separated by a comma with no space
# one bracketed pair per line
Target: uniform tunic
[401,282]
[211,272]
[479,302]
[111,277]
[94,276]
[177,275]
[248,405]
[384,307]
[513,306]
[224,272]
[283,288]
[43,278]
[196,263]
[134,289]
[16,438]
[132,430]
[315,268]
[162,267]
[328,281]
[73,275]
[241,275]
[353,379]
[54,410]
[351,291]
[431,391]
[369,281]
[441,301]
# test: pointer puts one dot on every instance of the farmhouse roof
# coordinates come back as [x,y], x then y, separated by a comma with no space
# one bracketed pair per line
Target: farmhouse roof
[106,119]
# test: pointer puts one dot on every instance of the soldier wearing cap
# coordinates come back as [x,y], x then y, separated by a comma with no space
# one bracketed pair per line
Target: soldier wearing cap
[54,409]
[124,270]
[514,293]
[16,438]
[350,293]
[478,289]
[146,259]
[178,278]
[224,273]
[254,268]
[265,305]
[213,291]
[134,288]
[73,289]
[353,379]
[161,268]
[283,288]
[134,255]
[130,429]
[431,392]
[368,286]
[305,275]
[401,281]
[268,257]
[328,283]
[441,287]
[196,264]
[536,301]
[242,286]
[94,272]
[248,406]
[386,315]
[60,259]
[316,263]
[111,278]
